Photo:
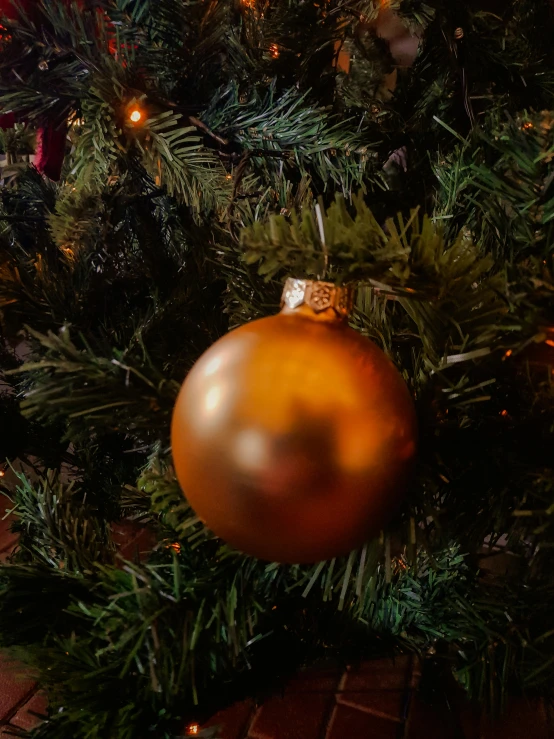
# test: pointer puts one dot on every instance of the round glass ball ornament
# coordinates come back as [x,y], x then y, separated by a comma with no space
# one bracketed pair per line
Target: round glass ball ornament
[294,436]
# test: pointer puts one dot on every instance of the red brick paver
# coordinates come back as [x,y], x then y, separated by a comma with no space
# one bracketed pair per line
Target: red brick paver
[14,690]
[349,722]
[301,712]
[133,540]
[235,721]
[523,718]
[380,687]
[26,718]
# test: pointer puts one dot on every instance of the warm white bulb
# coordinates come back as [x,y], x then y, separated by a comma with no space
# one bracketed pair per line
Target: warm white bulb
[135,116]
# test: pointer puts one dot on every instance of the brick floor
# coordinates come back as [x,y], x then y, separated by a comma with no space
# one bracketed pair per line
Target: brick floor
[379,700]
[522,719]
[14,689]
[28,716]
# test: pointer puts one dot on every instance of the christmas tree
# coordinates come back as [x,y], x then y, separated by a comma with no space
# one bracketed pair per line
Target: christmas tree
[168,164]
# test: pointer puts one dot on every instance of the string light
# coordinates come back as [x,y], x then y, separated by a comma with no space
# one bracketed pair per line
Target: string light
[135,115]
[526,126]
[193,729]
[3,37]
[176,547]
[274,50]
[2,473]
[550,342]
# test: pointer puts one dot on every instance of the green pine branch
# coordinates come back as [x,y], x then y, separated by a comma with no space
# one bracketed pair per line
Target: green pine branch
[499,183]
[68,383]
[56,527]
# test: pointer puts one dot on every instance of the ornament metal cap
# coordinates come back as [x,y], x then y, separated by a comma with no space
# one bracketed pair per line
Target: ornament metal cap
[318,296]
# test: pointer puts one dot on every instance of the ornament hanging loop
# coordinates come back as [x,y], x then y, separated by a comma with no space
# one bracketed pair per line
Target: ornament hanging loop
[321,227]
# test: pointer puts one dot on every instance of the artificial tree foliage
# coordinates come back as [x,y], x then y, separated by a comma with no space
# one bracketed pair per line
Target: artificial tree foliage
[275,139]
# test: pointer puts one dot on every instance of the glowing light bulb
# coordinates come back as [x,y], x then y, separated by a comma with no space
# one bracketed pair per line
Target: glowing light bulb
[193,729]
[274,50]
[2,473]
[135,115]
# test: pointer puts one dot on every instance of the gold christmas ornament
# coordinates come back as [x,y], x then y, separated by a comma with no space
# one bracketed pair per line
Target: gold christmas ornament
[294,436]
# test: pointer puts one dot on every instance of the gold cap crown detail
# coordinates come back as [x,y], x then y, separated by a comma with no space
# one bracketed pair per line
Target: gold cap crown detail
[319,296]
